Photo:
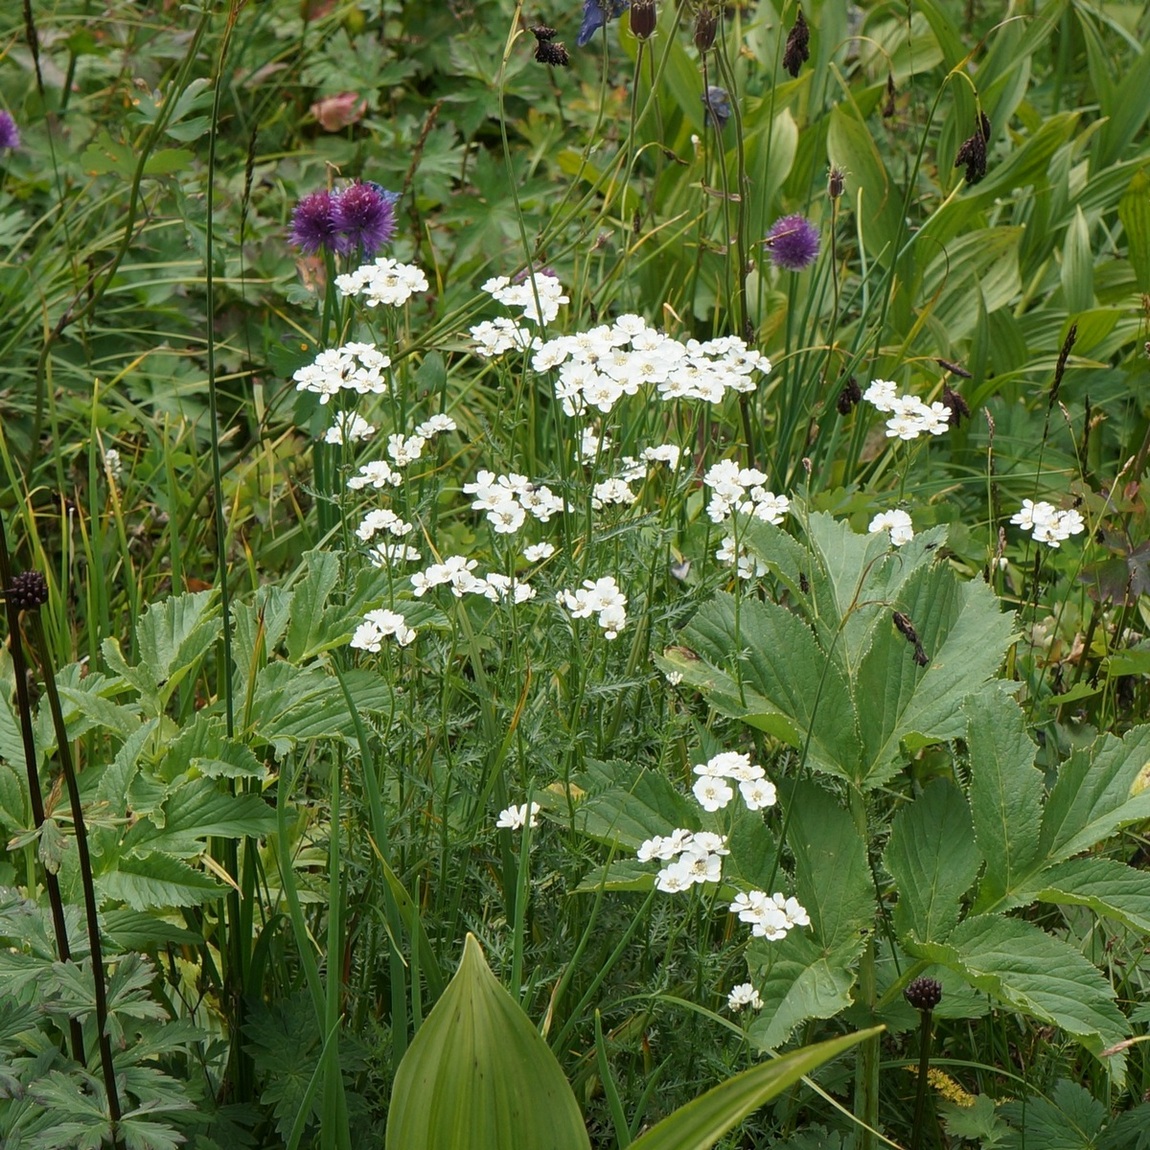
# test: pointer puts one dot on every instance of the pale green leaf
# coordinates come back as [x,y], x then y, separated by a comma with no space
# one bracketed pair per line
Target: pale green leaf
[639,805]
[933,859]
[157,880]
[1078,265]
[195,812]
[702,1122]
[174,633]
[307,632]
[478,1074]
[1134,212]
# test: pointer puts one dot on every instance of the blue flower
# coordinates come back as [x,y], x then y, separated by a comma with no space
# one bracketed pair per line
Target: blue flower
[596,13]
[717,105]
[9,133]
[792,243]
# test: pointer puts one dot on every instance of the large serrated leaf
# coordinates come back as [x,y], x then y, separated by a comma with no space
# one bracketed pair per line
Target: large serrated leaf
[641,805]
[760,663]
[1029,970]
[798,980]
[157,880]
[933,858]
[1006,792]
[1107,886]
[1095,794]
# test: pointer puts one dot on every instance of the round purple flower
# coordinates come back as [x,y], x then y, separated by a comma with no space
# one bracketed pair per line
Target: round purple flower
[313,224]
[365,215]
[793,243]
[9,133]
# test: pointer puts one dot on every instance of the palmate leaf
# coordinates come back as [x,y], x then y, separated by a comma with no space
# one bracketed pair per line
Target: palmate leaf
[1027,969]
[784,684]
[933,858]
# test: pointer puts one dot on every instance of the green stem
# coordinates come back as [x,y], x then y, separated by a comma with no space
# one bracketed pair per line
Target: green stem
[866,1078]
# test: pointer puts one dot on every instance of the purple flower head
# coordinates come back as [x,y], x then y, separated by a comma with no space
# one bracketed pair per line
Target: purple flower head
[596,13]
[364,214]
[717,106]
[793,243]
[9,133]
[313,224]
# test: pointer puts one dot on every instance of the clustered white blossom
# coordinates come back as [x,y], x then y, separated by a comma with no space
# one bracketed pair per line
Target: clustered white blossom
[458,572]
[543,290]
[740,489]
[386,281]
[600,597]
[377,626]
[1048,524]
[598,367]
[897,523]
[357,367]
[507,499]
[910,417]
[744,995]
[404,450]
[382,519]
[113,465]
[714,792]
[514,818]
[770,916]
[538,552]
[348,427]
[691,857]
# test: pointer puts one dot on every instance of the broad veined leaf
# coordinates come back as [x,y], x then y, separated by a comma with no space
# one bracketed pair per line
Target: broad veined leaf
[1006,792]
[1078,265]
[758,662]
[798,980]
[1134,212]
[1071,1118]
[640,805]
[479,1074]
[174,633]
[195,812]
[825,841]
[148,881]
[963,634]
[1029,970]
[933,858]
[701,1123]
[1095,794]
[1109,887]
[306,633]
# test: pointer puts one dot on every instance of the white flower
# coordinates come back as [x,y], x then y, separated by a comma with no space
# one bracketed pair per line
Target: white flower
[349,426]
[387,554]
[744,995]
[513,818]
[506,518]
[113,465]
[674,677]
[377,626]
[435,425]
[494,337]
[713,794]
[673,878]
[758,793]
[404,449]
[377,474]
[538,552]
[1048,524]
[710,843]
[386,281]
[700,866]
[881,394]
[897,523]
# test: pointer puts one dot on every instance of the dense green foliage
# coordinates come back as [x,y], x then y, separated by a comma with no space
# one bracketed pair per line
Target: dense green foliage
[671,561]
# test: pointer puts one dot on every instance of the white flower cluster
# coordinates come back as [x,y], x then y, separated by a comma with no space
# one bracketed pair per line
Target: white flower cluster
[113,465]
[494,337]
[386,281]
[349,426]
[598,367]
[403,449]
[744,995]
[770,916]
[909,416]
[382,519]
[691,857]
[714,792]
[897,523]
[458,572]
[357,367]
[735,488]
[514,818]
[1049,525]
[506,500]
[631,470]
[377,626]
[600,597]
[531,292]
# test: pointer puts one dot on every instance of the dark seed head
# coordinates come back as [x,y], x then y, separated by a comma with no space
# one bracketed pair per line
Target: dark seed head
[905,626]
[797,51]
[835,183]
[549,53]
[542,33]
[923,993]
[957,405]
[849,396]
[891,92]
[28,591]
[920,655]
[972,153]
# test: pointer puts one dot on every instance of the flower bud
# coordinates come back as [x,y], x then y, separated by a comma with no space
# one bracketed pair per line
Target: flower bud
[923,993]
[705,22]
[28,591]
[644,17]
